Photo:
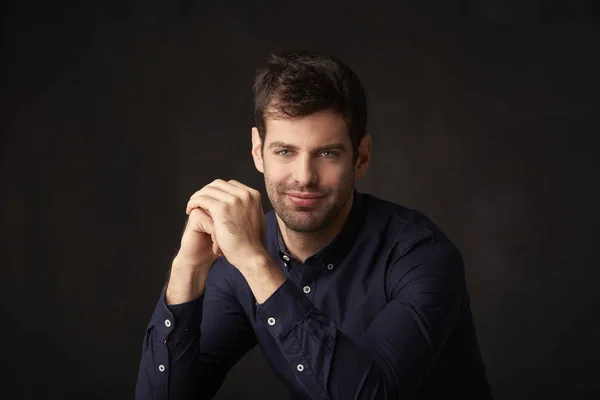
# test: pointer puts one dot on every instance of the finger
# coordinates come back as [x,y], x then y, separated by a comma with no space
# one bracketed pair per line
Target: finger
[201,221]
[209,196]
[234,188]
[257,196]
[216,183]
[255,193]
[215,245]
[196,193]
[216,249]
[211,206]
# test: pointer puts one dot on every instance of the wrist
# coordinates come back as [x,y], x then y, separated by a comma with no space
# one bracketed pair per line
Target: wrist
[255,259]
[191,264]
[263,275]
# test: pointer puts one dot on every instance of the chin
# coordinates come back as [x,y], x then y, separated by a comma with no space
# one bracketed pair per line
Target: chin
[304,227]
[306,221]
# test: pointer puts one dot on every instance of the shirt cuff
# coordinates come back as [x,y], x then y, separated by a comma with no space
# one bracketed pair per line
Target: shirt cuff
[286,307]
[173,321]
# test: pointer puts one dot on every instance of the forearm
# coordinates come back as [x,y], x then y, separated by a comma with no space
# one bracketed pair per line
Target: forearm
[327,362]
[187,281]
[196,342]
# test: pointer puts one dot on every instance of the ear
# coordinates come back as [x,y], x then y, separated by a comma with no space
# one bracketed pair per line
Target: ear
[257,151]
[364,157]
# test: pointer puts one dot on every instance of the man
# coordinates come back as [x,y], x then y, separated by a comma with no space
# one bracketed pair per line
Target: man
[347,295]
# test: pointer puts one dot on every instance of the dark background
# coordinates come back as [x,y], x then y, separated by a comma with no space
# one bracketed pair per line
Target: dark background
[484,115]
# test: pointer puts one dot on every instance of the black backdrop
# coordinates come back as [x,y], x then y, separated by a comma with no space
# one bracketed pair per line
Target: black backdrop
[484,115]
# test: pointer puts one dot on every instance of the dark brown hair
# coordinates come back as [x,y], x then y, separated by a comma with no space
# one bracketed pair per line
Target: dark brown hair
[296,84]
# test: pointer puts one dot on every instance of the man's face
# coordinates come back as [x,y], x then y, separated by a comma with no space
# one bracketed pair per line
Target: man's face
[308,168]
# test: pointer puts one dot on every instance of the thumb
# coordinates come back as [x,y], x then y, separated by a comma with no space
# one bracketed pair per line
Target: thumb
[215,246]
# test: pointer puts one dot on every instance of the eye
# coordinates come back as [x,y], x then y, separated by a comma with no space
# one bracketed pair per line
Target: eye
[283,153]
[329,154]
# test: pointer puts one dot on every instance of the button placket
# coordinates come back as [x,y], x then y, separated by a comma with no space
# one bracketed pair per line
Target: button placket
[286,259]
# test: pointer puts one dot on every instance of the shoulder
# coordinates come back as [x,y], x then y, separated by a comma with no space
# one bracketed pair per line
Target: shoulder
[400,227]
[415,248]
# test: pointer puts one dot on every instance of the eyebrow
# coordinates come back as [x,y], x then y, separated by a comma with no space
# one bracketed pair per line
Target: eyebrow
[332,146]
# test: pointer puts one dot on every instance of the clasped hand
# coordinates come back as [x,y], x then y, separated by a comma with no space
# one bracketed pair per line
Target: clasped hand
[238,222]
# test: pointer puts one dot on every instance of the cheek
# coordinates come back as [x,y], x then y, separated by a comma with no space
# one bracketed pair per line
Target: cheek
[274,175]
[334,174]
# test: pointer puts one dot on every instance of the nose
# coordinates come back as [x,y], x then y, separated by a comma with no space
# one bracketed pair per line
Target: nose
[305,173]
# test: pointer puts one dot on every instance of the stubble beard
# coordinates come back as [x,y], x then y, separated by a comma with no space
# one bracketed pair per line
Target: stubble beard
[309,220]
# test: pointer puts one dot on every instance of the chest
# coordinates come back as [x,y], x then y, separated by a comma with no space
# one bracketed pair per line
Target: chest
[351,300]
[350,297]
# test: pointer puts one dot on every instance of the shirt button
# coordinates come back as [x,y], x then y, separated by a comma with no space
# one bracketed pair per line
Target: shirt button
[285,264]
[167,323]
[161,368]
[306,289]
[330,267]
[300,367]
[271,321]
[286,258]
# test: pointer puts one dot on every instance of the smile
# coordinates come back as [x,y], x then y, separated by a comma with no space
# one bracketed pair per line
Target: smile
[304,199]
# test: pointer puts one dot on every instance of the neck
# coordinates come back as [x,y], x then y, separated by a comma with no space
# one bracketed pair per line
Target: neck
[302,245]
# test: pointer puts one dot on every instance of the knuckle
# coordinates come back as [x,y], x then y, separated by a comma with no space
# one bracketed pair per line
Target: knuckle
[237,201]
[247,195]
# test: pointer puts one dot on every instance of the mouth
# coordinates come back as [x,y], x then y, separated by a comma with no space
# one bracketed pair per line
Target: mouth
[304,199]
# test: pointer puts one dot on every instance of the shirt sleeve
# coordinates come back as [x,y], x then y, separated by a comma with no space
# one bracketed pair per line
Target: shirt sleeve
[189,348]
[399,348]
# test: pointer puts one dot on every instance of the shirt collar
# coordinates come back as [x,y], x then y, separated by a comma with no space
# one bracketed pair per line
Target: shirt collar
[332,254]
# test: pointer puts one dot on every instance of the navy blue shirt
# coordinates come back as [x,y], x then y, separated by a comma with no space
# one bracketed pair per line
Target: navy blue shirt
[382,312]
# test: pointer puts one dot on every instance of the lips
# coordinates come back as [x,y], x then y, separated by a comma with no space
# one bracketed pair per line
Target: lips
[304,199]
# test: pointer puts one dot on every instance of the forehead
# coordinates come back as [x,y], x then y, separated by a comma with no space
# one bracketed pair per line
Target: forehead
[312,130]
